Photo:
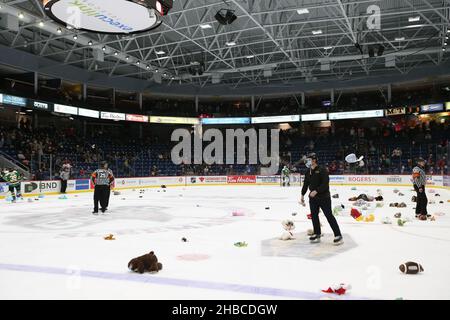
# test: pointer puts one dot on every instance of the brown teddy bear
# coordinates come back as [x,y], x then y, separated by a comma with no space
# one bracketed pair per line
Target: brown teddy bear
[146,263]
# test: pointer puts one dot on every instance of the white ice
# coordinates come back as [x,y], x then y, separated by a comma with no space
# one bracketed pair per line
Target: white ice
[54,248]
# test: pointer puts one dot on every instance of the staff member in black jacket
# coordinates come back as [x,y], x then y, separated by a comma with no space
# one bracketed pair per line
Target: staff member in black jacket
[317,180]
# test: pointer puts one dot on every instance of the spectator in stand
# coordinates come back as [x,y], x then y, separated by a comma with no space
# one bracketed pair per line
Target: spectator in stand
[441,164]
[397,153]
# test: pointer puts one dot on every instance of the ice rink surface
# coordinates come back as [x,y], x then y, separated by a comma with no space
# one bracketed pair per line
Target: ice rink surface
[53,248]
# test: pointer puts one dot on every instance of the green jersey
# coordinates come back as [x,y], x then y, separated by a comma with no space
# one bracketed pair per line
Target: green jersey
[12,177]
[285,171]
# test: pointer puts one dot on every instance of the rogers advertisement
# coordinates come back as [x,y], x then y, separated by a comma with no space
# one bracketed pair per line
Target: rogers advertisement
[241,179]
[362,179]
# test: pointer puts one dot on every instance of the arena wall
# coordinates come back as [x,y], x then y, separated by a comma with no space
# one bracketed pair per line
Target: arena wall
[34,188]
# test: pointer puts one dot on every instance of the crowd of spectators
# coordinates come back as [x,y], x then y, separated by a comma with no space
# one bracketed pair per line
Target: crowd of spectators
[387,147]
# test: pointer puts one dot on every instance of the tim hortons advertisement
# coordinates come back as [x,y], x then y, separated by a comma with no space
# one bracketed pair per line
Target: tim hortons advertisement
[199,180]
[241,179]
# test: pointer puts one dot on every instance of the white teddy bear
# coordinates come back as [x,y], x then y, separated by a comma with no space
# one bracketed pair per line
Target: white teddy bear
[288,226]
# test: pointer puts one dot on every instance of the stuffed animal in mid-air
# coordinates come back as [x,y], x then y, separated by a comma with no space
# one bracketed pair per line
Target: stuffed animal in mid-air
[146,263]
[288,226]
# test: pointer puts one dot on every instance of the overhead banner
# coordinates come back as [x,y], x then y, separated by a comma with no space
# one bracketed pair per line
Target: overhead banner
[113,116]
[395,111]
[66,109]
[314,117]
[136,118]
[40,105]
[174,120]
[226,120]
[435,107]
[276,119]
[13,100]
[88,113]
[356,114]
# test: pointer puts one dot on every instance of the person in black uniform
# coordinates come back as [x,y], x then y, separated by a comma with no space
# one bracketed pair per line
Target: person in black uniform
[102,179]
[317,180]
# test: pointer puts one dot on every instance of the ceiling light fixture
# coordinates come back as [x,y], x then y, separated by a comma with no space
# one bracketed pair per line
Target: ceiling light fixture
[302,11]
[316,32]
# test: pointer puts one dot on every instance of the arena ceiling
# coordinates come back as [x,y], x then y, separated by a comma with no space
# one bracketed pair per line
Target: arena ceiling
[272,46]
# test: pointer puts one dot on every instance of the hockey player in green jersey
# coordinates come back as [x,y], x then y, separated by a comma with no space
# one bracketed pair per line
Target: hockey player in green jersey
[13,178]
[285,178]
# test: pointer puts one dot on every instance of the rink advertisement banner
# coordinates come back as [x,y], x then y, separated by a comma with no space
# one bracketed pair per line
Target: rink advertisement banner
[34,187]
[268,179]
[3,189]
[167,181]
[200,180]
[241,179]
[446,181]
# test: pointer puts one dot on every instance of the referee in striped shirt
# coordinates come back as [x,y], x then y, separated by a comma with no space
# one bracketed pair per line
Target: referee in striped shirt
[420,180]
[102,179]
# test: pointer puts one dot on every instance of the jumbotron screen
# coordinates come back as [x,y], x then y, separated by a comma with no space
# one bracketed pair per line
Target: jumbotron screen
[112,16]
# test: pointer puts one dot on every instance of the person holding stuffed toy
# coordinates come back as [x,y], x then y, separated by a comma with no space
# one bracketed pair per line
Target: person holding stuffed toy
[317,180]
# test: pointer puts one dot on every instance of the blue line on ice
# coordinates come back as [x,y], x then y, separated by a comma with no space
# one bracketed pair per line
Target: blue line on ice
[155,279]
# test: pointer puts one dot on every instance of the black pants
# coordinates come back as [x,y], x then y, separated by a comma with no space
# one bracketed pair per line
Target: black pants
[101,194]
[15,190]
[422,201]
[325,204]
[63,186]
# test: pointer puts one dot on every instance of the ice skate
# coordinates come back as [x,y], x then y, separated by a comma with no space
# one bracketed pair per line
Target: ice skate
[338,240]
[315,238]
